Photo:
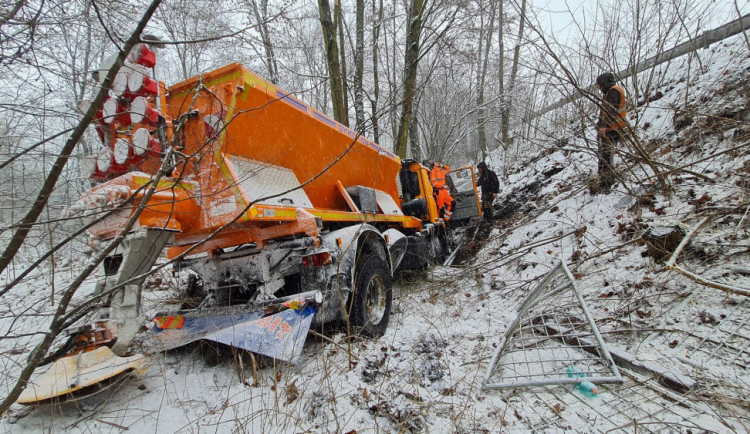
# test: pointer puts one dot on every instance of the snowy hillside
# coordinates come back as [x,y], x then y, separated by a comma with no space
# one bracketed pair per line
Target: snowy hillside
[426,373]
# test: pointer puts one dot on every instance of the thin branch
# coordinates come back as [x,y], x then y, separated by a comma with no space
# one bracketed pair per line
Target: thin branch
[12,13]
[105,27]
[32,147]
[18,238]
[197,41]
[671,263]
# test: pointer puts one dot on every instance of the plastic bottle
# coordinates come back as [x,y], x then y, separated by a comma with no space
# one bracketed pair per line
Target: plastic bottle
[587,388]
[573,371]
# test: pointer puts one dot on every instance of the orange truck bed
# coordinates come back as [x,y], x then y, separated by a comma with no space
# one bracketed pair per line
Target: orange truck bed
[250,147]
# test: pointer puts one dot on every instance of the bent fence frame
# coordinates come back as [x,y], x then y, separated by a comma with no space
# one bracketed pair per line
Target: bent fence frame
[540,364]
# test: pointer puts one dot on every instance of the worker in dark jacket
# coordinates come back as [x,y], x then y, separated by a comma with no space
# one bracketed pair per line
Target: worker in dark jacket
[490,186]
[610,126]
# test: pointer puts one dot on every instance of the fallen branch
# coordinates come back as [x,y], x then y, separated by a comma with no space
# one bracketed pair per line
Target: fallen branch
[671,264]
[710,283]
[124,428]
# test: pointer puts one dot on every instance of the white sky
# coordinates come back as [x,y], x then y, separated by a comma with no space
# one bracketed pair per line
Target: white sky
[559,16]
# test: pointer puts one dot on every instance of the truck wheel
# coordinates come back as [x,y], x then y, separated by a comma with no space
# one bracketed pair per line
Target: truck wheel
[372,297]
[437,250]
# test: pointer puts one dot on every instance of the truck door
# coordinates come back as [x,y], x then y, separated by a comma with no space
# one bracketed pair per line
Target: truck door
[463,188]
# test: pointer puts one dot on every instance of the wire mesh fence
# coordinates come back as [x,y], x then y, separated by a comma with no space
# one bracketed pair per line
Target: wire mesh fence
[553,340]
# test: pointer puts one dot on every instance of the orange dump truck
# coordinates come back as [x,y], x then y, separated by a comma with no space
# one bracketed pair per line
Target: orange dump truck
[282,217]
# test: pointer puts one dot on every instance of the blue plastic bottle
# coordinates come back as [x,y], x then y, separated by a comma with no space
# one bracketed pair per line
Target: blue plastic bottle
[573,371]
[587,388]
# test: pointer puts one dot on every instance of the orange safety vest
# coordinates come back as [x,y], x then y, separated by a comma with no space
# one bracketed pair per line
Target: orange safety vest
[437,177]
[619,121]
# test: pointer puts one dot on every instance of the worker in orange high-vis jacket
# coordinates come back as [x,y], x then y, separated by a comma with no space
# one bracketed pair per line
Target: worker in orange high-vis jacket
[438,173]
[610,126]
[443,199]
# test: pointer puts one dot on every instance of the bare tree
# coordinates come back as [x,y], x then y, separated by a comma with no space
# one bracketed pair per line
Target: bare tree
[485,42]
[338,24]
[58,323]
[508,92]
[501,25]
[260,13]
[335,76]
[199,31]
[411,66]
[446,116]
[359,65]
[377,17]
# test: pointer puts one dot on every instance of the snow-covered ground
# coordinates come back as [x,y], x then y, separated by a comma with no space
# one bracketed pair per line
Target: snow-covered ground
[426,372]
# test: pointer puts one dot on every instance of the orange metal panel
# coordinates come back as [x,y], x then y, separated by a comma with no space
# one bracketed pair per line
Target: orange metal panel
[171,206]
[236,113]
[230,113]
[268,125]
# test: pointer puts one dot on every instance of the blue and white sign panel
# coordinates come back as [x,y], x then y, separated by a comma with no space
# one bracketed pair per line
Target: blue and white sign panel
[280,336]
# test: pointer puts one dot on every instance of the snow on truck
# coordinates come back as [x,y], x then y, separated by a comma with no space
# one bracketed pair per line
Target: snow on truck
[284,218]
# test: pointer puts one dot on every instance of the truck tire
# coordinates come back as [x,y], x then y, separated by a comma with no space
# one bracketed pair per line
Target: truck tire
[438,250]
[370,307]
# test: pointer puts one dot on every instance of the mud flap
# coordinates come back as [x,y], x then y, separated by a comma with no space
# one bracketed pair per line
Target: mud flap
[280,335]
[78,371]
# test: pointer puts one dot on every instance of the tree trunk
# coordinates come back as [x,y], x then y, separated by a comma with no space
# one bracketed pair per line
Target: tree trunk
[359,66]
[332,59]
[501,74]
[416,152]
[338,21]
[481,79]
[261,17]
[375,76]
[512,81]
[411,63]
